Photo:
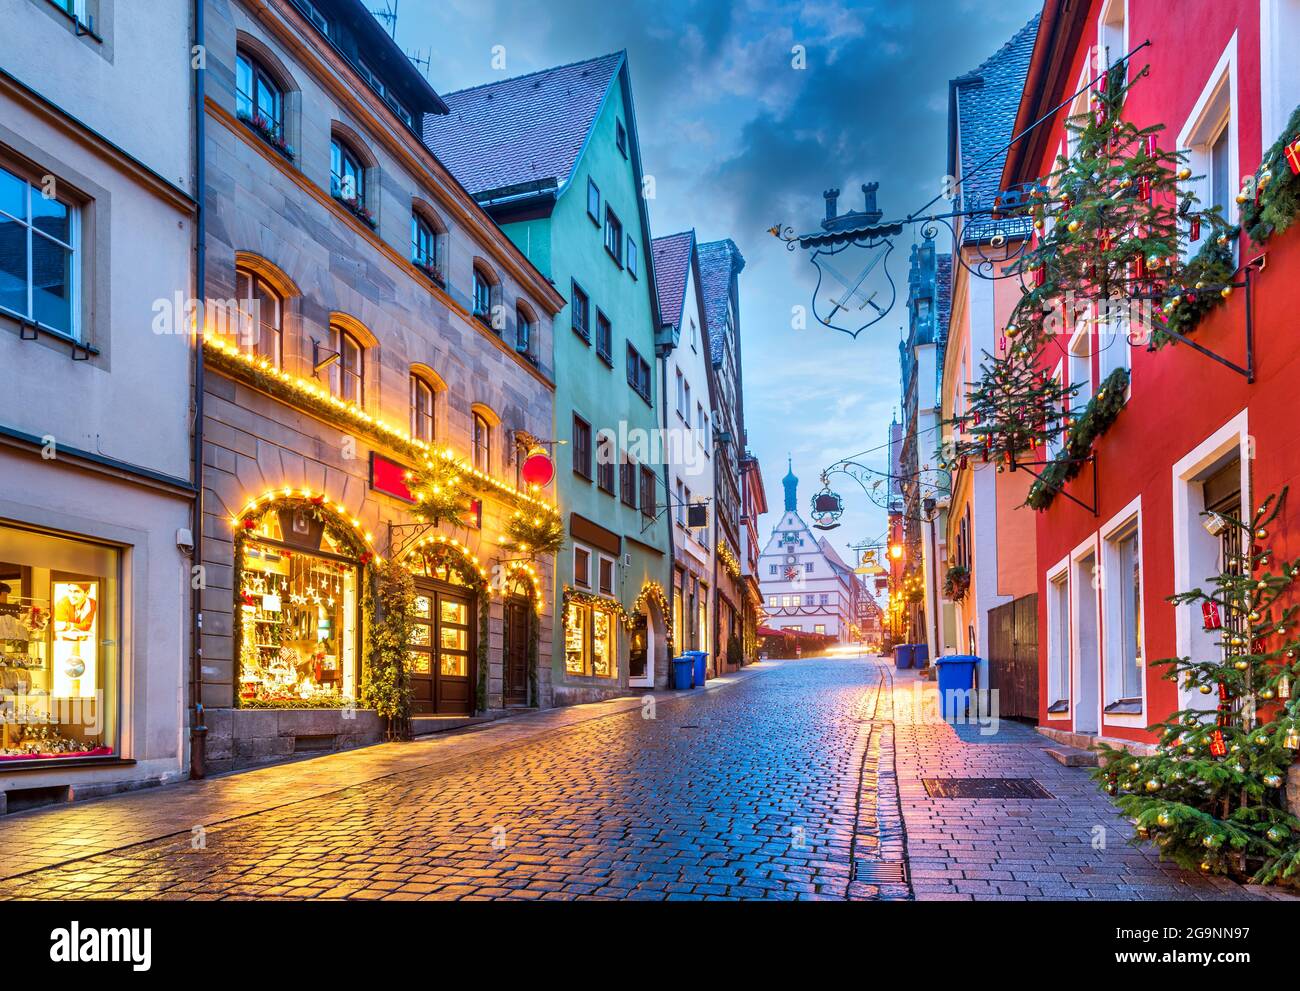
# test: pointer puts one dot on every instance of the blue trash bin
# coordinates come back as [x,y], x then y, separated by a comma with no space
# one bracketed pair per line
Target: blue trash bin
[956,674]
[920,655]
[902,656]
[683,668]
[700,660]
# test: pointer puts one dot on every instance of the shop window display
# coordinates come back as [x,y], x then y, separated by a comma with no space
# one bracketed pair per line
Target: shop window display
[589,645]
[58,643]
[298,603]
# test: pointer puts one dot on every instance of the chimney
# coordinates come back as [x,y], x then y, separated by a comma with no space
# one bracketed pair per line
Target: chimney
[831,196]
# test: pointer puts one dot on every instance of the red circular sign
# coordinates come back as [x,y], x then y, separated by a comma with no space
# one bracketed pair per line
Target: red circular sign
[538,468]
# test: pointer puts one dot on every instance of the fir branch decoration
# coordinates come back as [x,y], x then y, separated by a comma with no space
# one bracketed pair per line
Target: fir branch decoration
[534,533]
[956,582]
[1270,204]
[1211,795]
[1095,420]
[387,685]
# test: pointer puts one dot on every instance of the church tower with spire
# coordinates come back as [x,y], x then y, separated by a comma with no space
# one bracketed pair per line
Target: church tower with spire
[806,586]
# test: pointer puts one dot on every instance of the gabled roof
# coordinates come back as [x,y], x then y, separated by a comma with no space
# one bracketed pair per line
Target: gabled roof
[672,269]
[528,131]
[982,116]
[719,262]
[836,561]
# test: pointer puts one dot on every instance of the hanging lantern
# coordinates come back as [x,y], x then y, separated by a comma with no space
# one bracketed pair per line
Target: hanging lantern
[538,468]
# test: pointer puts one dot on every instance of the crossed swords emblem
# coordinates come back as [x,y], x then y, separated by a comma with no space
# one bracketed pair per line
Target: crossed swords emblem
[853,294]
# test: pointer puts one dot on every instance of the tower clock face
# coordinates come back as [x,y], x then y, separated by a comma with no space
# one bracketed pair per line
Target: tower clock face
[791,573]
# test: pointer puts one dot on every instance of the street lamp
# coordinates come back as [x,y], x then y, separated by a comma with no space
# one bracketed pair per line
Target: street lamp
[896,551]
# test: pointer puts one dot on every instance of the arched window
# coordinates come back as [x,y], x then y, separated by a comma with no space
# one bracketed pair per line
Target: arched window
[422,408]
[482,443]
[348,372]
[260,328]
[347,174]
[525,330]
[428,245]
[259,100]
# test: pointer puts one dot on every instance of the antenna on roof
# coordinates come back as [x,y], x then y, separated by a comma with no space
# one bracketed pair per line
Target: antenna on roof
[421,62]
[389,16]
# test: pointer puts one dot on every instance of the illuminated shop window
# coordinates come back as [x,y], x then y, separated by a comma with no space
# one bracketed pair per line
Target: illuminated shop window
[297,601]
[589,642]
[59,638]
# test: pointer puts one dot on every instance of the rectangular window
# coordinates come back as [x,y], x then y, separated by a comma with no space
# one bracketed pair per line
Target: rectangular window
[605,463]
[581,447]
[581,567]
[681,503]
[773,602]
[39,245]
[627,481]
[613,236]
[820,628]
[638,373]
[593,201]
[1121,595]
[604,339]
[1058,644]
[482,297]
[1081,367]
[605,567]
[589,645]
[632,260]
[60,637]
[648,507]
[580,308]
[620,137]
[772,569]
[808,568]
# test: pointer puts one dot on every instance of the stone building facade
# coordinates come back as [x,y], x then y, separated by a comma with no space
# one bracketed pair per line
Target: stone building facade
[379,316]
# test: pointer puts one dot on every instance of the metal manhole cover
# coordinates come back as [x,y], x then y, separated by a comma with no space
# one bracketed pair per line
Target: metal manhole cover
[985,788]
[880,871]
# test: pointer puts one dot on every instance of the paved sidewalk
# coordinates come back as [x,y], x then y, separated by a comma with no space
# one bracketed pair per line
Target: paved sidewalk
[1073,846]
[30,841]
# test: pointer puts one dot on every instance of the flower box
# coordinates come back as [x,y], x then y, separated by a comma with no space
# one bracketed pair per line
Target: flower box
[269,132]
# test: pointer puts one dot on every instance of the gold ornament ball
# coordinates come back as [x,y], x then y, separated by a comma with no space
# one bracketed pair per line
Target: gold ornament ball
[1212,841]
[1266,694]
[1073,226]
[1184,173]
[1278,833]
[1206,867]
[1206,689]
[1165,820]
[1240,665]
[1225,292]
[1261,534]
[1261,740]
[1273,780]
[1152,784]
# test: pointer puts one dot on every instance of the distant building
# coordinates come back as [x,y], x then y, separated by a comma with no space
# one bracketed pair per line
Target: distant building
[806,586]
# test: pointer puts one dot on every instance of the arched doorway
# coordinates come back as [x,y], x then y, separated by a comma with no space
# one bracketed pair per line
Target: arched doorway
[443,649]
[522,603]
[650,637]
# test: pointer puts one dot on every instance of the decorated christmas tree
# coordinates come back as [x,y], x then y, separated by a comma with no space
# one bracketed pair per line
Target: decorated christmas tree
[1211,796]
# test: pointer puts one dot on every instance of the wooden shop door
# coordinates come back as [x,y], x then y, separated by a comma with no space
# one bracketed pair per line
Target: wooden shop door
[516,653]
[441,650]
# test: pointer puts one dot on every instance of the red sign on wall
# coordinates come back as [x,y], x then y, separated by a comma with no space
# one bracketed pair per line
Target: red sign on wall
[389,477]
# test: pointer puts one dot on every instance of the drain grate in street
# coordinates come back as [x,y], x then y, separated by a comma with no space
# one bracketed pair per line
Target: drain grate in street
[688,725]
[880,871]
[985,788]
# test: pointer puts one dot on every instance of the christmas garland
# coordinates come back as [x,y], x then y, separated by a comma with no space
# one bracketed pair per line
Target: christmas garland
[387,685]
[729,562]
[652,591]
[1095,420]
[342,534]
[1209,274]
[311,396]
[438,494]
[1276,187]
[1211,795]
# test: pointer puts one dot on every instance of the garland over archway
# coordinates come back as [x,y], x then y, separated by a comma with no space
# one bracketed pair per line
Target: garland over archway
[652,591]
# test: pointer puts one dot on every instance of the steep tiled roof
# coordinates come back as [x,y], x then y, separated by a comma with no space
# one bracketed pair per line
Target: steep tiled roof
[528,129]
[672,258]
[942,297]
[719,260]
[987,99]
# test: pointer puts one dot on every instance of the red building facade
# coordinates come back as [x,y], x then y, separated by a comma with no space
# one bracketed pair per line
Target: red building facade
[1194,434]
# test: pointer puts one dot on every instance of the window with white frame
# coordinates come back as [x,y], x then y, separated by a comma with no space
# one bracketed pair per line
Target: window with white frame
[581,566]
[39,254]
[1210,138]
[1081,365]
[1058,643]
[1112,33]
[1122,620]
[1056,439]
[1114,326]
[605,574]
[1279,82]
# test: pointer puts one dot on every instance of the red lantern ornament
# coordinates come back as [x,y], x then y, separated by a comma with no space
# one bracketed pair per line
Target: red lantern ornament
[1040,276]
[1194,229]
[1152,148]
[1217,747]
[538,468]
[1292,152]
[1210,618]
[1144,187]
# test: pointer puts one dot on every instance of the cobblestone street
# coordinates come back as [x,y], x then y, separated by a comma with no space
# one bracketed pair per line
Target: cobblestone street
[782,782]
